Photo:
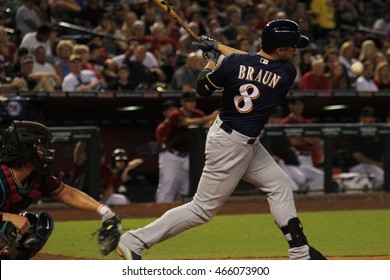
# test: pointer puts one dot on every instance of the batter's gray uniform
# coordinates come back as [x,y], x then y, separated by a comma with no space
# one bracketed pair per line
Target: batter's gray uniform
[253,86]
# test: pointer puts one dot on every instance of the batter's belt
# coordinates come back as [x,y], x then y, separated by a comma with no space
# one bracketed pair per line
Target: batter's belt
[230,131]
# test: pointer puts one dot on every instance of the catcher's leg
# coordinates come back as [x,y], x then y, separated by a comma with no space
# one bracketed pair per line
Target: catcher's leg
[28,245]
[7,239]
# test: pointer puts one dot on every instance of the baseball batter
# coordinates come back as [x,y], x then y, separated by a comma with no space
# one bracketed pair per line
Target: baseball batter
[253,86]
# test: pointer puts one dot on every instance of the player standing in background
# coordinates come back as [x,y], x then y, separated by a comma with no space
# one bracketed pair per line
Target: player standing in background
[24,178]
[174,181]
[253,86]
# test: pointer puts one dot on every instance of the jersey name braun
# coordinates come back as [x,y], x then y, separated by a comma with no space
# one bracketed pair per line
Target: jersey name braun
[263,77]
[254,85]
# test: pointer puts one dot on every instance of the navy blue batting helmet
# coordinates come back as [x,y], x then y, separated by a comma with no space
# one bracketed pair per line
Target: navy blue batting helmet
[282,33]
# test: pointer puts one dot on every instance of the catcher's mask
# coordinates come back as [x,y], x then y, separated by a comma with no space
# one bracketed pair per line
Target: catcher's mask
[28,142]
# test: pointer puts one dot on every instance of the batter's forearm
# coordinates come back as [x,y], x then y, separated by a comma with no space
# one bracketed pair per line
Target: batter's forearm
[226,50]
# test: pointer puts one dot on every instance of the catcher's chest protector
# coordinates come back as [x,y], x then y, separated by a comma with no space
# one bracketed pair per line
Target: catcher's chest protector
[14,199]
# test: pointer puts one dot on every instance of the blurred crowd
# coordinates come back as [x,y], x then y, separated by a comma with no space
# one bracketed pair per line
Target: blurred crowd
[125,45]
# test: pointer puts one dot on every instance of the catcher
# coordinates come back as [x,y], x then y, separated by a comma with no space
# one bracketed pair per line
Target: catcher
[25,158]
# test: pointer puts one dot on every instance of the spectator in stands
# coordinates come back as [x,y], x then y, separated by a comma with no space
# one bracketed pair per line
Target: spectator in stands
[141,76]
[323,18]
[123,81]
[215,31]
[149,17]
[306,61]
[368,51]
[92,13]
[163,44]
[303,178]
[185,76]
[185,42]
[365,82]
[61,63]
[113,46]
[96,57]
[138,36]
[39,37]
[127,26]
[146,58]
[7,49]
[382,24]
[310,148]
[8,82]
[172,62]
[382,76]
[366,153]
[338,76]
[120,10]
[110,72]
[234,29]
[27,18]
[315,79]
[35,81]
[347,56]
[171,27]
[41,67]
[84,52]
[79,80]
[63,6]
[196,16]
[14,67]
[346,14]
[45,11]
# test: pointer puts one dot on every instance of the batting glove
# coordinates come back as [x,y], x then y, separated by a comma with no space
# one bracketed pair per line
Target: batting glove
[206,44]
[211,56]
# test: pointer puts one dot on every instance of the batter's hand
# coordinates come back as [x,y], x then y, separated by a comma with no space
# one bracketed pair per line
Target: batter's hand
[211,56]
[207,44]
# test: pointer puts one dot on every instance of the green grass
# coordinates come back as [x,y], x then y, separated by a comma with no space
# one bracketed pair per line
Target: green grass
[341,233]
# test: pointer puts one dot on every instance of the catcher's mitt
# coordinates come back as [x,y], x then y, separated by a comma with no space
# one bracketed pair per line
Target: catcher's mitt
[109,234]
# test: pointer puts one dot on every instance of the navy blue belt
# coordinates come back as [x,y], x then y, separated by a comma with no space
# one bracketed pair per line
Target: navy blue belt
[229,130]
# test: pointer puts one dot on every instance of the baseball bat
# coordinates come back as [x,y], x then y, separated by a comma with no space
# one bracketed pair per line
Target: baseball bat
[89,31]
[166,8]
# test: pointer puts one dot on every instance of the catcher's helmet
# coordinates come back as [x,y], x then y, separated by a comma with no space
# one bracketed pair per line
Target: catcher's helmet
[118,155]
[26,141]
[282,33]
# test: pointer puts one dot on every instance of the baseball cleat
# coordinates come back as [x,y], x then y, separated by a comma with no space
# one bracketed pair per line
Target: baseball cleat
[315,255]
[126,253]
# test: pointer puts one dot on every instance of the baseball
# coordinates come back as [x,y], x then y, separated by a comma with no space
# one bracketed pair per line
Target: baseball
[357,68]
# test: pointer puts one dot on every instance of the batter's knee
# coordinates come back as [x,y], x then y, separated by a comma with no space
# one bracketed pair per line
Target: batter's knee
[205,211]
